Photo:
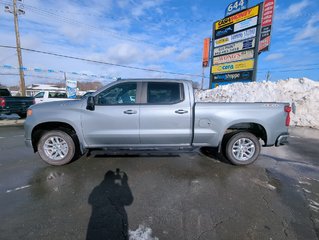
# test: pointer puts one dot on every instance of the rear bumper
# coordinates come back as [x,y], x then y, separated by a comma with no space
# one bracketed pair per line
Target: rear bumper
[282,140]
[2,111]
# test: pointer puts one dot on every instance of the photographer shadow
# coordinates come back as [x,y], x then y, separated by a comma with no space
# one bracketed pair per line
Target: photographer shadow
[108,200]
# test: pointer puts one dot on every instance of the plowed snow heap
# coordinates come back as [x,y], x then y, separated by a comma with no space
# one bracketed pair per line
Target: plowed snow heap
[303,92]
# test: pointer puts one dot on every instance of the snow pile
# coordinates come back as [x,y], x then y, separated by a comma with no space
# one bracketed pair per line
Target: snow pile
[303,92]
[9,117]
[142,233]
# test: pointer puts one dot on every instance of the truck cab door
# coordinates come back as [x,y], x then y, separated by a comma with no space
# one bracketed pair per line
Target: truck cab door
[165,118]
[115,118]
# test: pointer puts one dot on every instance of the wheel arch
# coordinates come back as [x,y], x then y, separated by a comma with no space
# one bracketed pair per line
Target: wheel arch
[42,128]
[253,127]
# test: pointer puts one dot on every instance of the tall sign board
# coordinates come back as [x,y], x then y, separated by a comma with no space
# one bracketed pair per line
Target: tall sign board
[235,45]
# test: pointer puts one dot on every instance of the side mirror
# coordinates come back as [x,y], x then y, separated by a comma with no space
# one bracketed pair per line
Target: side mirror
[90,103]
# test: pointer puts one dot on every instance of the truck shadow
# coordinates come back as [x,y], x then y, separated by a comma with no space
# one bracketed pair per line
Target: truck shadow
[108,200]
[212,152]
[129,154]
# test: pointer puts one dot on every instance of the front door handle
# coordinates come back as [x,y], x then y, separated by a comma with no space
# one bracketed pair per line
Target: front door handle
[181,111]
[130,112]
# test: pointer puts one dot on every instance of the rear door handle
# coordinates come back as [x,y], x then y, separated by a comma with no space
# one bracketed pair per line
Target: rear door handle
[181,111]
[130,112]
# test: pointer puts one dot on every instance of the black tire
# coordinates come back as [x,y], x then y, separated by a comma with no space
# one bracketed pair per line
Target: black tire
[22,115]
[63,148]
[242,148]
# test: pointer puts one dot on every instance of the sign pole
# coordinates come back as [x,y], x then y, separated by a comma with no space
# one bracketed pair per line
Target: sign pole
[203,76]
[257,42]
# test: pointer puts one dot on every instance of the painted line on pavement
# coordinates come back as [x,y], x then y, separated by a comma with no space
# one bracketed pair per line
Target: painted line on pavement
[18,188]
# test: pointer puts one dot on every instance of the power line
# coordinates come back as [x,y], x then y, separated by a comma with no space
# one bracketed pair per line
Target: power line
[4,59]
[299,65]
[104,63]
[53,78]
[88,26]
[159,71]
[110,32]
[174,20]
[293,70]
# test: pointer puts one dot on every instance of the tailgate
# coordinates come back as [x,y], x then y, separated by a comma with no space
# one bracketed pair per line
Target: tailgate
[18,104]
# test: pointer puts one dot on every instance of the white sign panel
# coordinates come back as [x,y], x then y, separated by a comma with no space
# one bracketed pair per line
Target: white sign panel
[243,55]
[235,47]
[246,24]
[71,86]
[250,33]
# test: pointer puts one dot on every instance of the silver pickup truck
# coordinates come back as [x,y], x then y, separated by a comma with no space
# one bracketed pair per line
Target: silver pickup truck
[153,114]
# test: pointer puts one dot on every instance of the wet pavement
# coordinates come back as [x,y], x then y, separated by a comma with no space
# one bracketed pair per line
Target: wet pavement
[194,195]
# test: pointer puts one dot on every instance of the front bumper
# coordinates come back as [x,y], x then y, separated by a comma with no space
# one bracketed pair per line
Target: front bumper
[282,140]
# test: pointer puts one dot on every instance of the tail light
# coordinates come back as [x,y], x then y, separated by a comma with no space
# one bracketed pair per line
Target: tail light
[2,102]
[287,110]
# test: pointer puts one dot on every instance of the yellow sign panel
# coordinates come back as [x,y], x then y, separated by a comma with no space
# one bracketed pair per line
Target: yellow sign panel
[222,41]
[249,13]
[234,66]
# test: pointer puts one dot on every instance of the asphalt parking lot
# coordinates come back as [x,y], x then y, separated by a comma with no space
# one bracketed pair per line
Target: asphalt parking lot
[194,195]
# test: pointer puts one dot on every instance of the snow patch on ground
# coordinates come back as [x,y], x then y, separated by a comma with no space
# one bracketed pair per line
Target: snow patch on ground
[9,117]
[142,233]
[303,92]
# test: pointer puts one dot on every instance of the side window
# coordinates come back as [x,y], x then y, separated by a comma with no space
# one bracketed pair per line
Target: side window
[164,93]
[57,95]
[120,94]
[39,95]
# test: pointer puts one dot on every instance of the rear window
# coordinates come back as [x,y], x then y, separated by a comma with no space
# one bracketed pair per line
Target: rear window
[164,93]
[4,93]
[57,95]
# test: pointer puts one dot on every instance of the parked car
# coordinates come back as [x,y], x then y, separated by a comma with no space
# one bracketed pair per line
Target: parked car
[17,105]
[153,114]
[51,96]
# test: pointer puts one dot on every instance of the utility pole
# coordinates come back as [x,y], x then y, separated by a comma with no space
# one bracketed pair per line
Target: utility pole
[268,76]
[203,76]
[17,11]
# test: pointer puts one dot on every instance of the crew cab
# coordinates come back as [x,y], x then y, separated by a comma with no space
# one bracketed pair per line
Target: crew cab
[51,96]
[153,114]
[10,104]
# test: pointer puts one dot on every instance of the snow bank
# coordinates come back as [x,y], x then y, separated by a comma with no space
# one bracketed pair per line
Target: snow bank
[9,117]
[142,233]
[303,92]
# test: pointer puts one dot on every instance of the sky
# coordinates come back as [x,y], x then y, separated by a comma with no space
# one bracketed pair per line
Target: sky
[162,35]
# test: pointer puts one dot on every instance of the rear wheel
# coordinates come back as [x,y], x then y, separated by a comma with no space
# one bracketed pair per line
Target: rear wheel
[56,147]
[242,148]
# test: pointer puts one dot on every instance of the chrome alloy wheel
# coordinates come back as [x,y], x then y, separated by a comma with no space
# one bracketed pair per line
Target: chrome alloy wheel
[56,148]
[243,149]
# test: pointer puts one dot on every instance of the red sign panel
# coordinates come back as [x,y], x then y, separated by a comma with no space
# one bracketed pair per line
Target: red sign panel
[206,52]
[268,12]
[266,22]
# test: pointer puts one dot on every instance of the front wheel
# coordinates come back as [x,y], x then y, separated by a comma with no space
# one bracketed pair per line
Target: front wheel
[56,147]
[242,148]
